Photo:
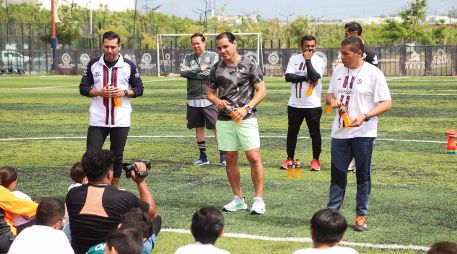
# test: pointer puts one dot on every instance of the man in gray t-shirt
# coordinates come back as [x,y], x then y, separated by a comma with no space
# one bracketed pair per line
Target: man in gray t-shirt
[200,112]
[241,88]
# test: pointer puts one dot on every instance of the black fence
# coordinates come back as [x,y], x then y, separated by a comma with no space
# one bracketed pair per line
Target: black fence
[393,61]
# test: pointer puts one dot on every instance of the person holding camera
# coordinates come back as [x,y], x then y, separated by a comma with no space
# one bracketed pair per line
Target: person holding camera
[95,208]
[110,80]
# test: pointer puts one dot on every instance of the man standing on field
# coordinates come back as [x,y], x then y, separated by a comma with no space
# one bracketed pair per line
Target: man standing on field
[241,88]
[361,90]
[110,80]
[200,112]
[305,72]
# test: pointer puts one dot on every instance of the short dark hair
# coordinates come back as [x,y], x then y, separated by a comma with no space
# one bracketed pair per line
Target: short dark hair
[443,248]
[355,42]
[307,38]
[139,220]
[77,173]
[97,163]
[7,176]
[110,35]
[207,225]
[125,241]
[328,226]
[198,35]
[49,211]
[231,37]
[354,27]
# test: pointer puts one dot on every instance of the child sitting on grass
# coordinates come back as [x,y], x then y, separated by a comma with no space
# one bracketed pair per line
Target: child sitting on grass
[79,178]
[327,230]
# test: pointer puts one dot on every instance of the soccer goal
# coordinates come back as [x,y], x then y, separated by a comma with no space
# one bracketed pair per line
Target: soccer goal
[165,59]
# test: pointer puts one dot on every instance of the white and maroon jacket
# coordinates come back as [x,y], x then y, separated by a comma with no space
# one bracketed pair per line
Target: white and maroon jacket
[123,74]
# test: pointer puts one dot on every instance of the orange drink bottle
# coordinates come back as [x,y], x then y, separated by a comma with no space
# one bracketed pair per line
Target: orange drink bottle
[290,167]
[328,108]
[345,116]
[297,169]
[117,100]
[310,89]
[231,113]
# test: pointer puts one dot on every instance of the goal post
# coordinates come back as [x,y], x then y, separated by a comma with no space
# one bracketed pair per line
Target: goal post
[160,37]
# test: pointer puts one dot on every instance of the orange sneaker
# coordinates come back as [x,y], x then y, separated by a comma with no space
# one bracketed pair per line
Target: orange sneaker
[285,163]
[360,223]
[315,165]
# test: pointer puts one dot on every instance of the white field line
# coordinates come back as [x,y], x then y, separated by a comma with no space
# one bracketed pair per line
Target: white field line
[177,136]
[307,240]
[425,94]
[44,87]
[161,80]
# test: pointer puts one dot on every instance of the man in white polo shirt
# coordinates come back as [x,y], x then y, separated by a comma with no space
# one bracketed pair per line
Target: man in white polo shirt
[360,89]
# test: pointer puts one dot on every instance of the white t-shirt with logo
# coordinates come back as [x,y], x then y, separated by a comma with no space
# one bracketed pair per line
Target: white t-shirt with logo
[361,90]
[298,97]
[332,250]
[200,248]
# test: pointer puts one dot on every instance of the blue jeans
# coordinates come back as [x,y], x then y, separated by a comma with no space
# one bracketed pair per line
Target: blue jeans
[342,151]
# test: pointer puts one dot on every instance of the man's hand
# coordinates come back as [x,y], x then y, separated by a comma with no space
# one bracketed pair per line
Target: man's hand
[141,167]
[221,104]
[357,121]
[203,67]
[308,54]
[240,113]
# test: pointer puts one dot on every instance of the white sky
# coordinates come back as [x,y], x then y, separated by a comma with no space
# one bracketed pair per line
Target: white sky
[324,9]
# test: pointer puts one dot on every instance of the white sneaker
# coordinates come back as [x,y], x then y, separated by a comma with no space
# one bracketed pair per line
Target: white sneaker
[236,204]
[258,207]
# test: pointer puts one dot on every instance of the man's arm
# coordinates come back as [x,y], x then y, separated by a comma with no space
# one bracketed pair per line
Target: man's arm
[382,107]
[313,75]
[294,78]
[145,193]
[135,82]
[86,85]
[188,71]
[211,96]
[261,93]
[87,80]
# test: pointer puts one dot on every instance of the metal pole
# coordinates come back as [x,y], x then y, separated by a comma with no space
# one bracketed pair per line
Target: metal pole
[53,37]
[90,17]
[158,55]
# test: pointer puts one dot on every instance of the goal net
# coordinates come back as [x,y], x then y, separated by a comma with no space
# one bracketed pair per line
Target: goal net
[170,53]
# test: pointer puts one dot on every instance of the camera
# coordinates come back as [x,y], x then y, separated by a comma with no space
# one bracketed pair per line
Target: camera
[132,167]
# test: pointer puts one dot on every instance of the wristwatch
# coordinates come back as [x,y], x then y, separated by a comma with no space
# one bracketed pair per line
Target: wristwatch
[367,118]
[248,108]
[126,92]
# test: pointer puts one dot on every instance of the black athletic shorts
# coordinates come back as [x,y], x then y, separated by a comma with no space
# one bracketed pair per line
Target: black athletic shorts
[200,117]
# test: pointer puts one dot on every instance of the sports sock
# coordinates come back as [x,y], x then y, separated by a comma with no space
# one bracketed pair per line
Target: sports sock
[202,148]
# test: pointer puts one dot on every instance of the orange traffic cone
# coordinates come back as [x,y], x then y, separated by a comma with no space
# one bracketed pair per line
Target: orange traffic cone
[451,148]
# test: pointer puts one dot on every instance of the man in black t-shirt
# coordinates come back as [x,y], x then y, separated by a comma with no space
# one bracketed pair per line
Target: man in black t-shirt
[95,208]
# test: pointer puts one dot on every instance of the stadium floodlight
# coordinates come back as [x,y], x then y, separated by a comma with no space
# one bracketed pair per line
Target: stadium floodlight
[259,51]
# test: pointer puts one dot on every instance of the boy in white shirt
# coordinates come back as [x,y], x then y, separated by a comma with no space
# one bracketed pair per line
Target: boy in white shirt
[327,230]
[207,226]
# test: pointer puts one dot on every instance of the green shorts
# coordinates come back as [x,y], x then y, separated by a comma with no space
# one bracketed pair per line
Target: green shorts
[231,136]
